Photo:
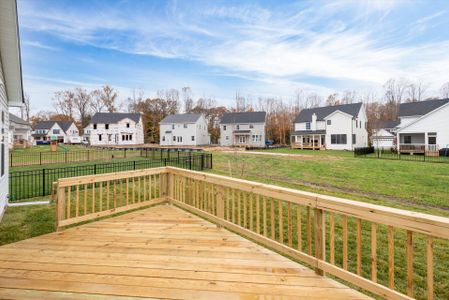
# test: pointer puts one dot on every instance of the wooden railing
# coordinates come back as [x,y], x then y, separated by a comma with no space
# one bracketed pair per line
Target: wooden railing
[85,198]
[388,252]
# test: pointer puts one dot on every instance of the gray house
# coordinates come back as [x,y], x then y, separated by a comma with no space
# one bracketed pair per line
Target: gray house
[184,130]
[243,129]
[19,131]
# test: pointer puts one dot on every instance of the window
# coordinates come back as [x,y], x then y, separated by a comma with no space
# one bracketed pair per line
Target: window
[99,137]
[130,137]
[95,126]
[106,126]
[179,139]
[224,127]
[123,137]
[356,124]
[308,126]
[238,126]
[185,125]
[110,137]
[329,122]
[407,139]
[56,131]
[193,138]
[3,158]
[174,138]
[360,124]
[353,139]
[163,138]
[338,139]
[251,126]
[227,138]
[127,125]
[3,117]
[173,126]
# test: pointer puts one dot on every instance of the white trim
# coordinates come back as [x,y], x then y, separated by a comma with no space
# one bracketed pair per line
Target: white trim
[338,111]
[422,117]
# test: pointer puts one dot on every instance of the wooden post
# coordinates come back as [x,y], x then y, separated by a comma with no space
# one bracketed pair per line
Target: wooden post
[60,206]
[320,235]
[220,204]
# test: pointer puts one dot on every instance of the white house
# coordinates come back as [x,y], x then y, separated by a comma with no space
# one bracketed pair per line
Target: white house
[61,131]
[11,91]
[243,129]
[384,134]
[184,130]
[424,126]
[339,127]
[115,129]
[19,132]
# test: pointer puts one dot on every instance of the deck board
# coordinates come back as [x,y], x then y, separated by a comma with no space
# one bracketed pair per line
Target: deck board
[159,252]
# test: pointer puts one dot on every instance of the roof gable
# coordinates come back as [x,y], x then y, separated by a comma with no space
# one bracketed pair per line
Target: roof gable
[420,108]
[243,117]
[47,125]
[111,118]
[305,115]
[181,118]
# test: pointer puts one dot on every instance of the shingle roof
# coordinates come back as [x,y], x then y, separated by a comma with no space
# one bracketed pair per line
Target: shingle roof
[65,125]
[111,118]
[180,118]
[420,108]
[243,117]
[321,112]
[308,132]
[386,124]
[17,120]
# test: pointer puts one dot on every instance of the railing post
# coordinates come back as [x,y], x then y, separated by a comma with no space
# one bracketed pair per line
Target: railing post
[320,234]
[220,204]
[59,205]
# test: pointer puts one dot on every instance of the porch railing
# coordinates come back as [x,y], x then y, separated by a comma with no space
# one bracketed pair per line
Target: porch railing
[418,147]
[360,243]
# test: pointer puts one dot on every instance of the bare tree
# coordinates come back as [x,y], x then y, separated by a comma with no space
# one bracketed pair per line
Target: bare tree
[104,99]
[313,100]
[64,103]
[416,91]
[394,94]
[134,100]
[444,90]
[332,100]
[187,99]
[82,103]
[348,97]
[26,108]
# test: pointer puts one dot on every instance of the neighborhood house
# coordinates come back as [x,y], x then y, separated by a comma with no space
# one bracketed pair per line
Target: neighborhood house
[19,132]
[61,131]
[424,127]
[339,127]
[243,129]
[384,135]
[114,129]
[184,130]
[11,91]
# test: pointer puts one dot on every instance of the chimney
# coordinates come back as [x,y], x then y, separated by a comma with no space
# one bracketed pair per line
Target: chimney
[313,125]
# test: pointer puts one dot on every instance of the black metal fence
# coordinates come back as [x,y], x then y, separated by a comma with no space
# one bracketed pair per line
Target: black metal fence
[37,183]
[427,156]
[21,159]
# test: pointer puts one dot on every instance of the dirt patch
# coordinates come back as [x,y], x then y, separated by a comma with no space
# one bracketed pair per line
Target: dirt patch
[301,156]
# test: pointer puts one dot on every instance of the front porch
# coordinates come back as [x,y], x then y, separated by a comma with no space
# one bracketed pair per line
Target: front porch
[198,241]
[309,141]
[418,143]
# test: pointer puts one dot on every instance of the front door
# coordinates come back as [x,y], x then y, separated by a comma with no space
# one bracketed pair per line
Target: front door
[242,139]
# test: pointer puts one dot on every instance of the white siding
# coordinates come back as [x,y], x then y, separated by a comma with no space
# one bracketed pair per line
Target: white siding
[180,134]
[227,137]
[117,133]
[436,121]
[382,139]
[3,145]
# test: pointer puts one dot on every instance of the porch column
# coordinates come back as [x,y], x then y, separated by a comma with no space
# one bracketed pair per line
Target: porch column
[319,141]
[313,142]
[426,141]
[302,147]
[398,142]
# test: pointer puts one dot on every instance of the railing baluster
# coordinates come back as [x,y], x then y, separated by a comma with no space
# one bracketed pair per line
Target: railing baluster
[239,208]
[289,224]
[359,246]
[332,237]
[320,237]
[233,205]
[77,201]
[251,215]
[264,199]
[244,211]
[144,188]
[69,190]
[85,199]
[93,197]
[228,217]
[345,241]
[409,263]
[127,190]
[257,214]
[299,227]
[429,252]
[390,235]
[273,234]
[374,252]
[281,222]
[115,193]
[107,193]
[309,231]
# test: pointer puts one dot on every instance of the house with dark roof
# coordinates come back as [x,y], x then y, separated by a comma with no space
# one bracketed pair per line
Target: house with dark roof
[61,131]
[383,134]
[19,132]
[114,129]
[184,130]
[244,129]
[339,127]
[424,127]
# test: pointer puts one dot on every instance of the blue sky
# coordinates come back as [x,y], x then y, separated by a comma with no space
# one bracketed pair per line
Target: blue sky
[258,48]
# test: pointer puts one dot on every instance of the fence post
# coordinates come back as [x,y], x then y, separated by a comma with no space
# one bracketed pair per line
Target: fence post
[134,163]
[165,162]
[161,153]
[95,169]
[320,235]
[43,182]
[40,158]
[202,161]
[220,204]
[190,161]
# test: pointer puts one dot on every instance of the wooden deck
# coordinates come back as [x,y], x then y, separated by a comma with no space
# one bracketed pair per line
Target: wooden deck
[159,252]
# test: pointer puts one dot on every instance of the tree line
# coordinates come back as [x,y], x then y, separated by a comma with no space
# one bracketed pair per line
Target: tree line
[79,105]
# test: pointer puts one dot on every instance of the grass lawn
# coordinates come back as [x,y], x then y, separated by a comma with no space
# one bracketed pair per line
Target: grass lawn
[404,184]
